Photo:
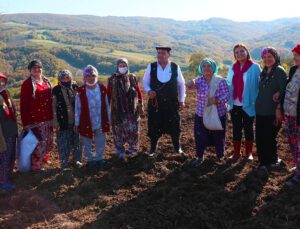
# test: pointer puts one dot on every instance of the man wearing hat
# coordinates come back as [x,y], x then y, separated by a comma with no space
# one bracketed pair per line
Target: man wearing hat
[165,86]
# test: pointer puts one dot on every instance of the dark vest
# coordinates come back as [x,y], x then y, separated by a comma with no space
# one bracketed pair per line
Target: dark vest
[61,107]
[168,90]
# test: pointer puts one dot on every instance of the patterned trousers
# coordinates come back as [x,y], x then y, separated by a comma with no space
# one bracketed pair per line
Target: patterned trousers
[293,134]
[7,159]
[41,153]
[68,141]
[126,132]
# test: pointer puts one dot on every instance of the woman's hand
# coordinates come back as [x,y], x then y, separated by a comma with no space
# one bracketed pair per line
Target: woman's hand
[212,100]
[279,117]
[151,94]
[181,106]
[142,112]
[276,97]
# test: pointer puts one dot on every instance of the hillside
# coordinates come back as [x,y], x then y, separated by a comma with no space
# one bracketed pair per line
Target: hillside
[74,41]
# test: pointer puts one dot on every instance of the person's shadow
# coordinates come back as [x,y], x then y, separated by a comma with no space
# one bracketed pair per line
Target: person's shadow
[190,198]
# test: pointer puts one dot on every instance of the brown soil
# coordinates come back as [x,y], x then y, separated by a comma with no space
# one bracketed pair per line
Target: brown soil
[161,192]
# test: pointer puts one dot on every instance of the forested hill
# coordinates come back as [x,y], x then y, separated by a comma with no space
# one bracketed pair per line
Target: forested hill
[73,41]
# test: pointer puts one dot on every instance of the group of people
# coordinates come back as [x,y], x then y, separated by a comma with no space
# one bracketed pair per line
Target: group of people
[82,115]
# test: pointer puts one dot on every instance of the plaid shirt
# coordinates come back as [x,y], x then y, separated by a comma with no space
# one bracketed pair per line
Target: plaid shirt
[222,94]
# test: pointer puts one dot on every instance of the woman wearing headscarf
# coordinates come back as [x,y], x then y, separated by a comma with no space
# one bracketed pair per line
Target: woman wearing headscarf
[269,112]
[63,105]
[8,135]
[204,85]
[243,80]
[291,107]
[92,116]
[36,112]
[126,103]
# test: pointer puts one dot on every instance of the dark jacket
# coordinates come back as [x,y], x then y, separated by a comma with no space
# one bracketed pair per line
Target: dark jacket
[61,107]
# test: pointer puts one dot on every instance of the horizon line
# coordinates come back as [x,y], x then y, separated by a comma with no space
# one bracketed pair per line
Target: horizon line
[164,18]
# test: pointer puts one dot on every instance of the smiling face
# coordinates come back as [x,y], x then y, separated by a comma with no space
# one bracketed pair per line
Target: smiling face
[297,59]
[269,60]
[91,79]
[241,54]
[36,71]
[163,56]
[207,71]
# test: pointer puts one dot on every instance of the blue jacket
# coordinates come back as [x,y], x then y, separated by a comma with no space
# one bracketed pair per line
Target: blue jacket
[250,91]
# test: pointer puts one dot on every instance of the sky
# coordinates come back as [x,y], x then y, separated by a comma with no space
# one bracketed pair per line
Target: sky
[250,10]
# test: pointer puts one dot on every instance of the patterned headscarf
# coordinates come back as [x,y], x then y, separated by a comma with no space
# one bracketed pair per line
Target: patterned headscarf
[122,60]
[5,101]
[2,76]
[64,72]
[90,70]
[264,74]
[209,61]
[273,52]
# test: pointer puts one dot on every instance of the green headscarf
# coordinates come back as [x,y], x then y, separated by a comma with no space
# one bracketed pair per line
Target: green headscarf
[209,61]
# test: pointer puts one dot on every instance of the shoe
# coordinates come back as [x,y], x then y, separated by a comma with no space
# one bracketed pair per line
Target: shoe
[8,186]
[263,168]
[180,151]
[91,165]
[197,162]
[236,150]
[100,164]
[294,181]
[276,164]
[249,147]
[293,169]
[220,160]
[131,150]
[151,153]
[78,164]
[121,154]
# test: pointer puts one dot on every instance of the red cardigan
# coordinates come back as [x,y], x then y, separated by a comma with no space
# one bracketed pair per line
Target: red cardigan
[85,126]
[38,109]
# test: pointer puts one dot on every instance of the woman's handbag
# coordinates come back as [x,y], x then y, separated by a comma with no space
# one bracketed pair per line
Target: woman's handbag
[211,118]
[28,142]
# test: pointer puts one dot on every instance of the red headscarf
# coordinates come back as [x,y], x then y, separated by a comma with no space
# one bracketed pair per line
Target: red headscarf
[8,110]
[237,80]
[2,76]
[296,49]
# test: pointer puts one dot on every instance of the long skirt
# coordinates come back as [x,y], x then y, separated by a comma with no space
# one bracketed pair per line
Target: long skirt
[126,132]
[293,134]
[41,153]
[7,159]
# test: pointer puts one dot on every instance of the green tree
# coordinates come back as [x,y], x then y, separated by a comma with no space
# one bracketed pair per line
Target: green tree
[194,62]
